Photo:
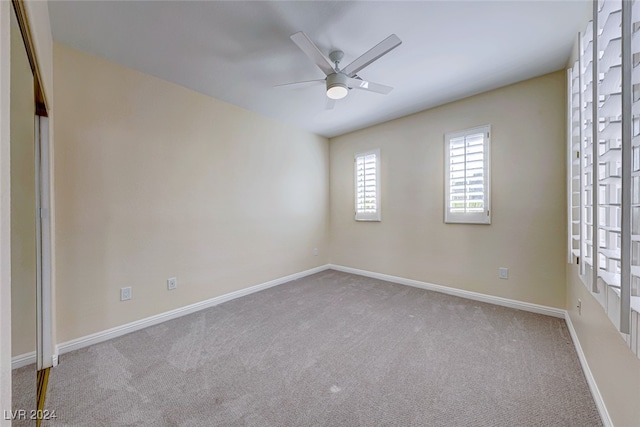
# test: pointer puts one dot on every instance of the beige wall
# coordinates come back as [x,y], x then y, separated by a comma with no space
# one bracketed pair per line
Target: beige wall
[615,368]
[527,234]
[23,201]
[154,180]
[5,211]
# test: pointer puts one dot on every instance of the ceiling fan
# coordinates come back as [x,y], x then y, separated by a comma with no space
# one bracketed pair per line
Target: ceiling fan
[339,81]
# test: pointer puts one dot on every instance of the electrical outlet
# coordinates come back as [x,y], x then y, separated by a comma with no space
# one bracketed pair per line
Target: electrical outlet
[579,306]
[315,251]
[125,293]
[503,273]
[172,283]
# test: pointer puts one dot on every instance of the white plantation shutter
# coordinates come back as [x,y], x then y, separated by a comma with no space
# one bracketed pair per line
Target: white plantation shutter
[609,230]
[609,131]
[467,176]
[367,185]
[589,215]
[574,168]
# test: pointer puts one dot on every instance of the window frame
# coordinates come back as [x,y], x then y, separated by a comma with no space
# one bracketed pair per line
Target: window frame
[367,216]
[484,217]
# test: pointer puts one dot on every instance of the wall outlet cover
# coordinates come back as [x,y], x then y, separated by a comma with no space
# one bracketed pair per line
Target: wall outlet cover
[172,283]
[503,273]
[125,293]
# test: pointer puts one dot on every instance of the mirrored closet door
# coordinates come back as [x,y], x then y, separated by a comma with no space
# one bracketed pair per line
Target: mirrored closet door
[30,344]
[23,223]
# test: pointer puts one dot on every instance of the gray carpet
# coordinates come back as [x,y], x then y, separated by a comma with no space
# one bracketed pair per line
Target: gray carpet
[23,394]
[332,349]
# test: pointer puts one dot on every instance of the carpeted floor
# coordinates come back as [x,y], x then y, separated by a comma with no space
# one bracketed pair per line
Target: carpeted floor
[332,349]
[23,395]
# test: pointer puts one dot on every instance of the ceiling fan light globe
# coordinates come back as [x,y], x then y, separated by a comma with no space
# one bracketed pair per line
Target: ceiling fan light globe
[337,91]
[337,86]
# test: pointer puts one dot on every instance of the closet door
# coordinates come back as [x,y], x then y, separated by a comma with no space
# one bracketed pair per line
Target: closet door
[24,264]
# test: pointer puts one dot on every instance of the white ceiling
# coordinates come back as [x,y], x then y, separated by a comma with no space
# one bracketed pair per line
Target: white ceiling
[237,51]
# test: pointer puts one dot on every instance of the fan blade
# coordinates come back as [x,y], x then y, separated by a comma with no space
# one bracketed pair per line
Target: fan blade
[312,51]
[371,87]
[374,53]
[330,104]
[301,84]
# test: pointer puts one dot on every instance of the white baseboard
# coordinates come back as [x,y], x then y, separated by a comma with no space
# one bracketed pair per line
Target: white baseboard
[23,360]
[28,359]
[118,331]
[78,343]
[593,386]
[505,302]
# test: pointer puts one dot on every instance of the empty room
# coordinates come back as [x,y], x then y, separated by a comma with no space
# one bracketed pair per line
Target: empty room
[320,213]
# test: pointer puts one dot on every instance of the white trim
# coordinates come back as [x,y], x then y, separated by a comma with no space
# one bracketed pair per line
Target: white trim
[44,299]
[593,386]
[23,360]
[505,302]
[626,155]
[38,199]
[28,359]
[118,331]
[570,256]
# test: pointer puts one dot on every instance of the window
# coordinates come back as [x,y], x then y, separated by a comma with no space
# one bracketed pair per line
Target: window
[367,183]
[604,146]
[467,176]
